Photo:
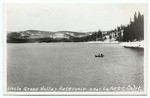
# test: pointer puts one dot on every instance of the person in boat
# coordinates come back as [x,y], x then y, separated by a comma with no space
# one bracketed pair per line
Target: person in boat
[102,55]
[99,55]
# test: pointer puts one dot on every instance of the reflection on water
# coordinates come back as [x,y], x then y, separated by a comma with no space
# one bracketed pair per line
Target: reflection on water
[74,65]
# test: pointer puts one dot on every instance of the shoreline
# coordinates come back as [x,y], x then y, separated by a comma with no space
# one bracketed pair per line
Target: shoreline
[138,44]
[101,42]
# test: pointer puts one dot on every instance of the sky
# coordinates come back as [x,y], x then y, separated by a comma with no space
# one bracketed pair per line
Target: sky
[83,17]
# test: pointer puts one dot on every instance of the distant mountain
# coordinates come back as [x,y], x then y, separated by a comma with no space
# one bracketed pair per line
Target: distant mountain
[32,34]
[74,34]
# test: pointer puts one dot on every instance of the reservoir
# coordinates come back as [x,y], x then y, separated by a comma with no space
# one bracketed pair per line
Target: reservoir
[74,65]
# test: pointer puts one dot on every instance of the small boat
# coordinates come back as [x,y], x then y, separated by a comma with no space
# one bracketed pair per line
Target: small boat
[99,55]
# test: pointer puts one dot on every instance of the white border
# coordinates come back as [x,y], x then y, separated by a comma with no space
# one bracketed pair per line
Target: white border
[81,93]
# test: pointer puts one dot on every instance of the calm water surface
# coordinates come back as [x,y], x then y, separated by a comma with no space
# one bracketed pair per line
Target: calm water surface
[73,65]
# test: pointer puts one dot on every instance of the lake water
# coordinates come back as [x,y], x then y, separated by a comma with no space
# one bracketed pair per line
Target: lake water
[73,65]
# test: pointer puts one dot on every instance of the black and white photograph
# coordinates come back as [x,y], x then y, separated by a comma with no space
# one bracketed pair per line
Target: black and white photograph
[75,48]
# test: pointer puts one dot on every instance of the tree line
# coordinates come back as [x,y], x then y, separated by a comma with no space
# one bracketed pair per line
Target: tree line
[135,30]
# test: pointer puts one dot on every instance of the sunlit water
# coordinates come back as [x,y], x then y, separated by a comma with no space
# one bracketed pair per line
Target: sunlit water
[73,65]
